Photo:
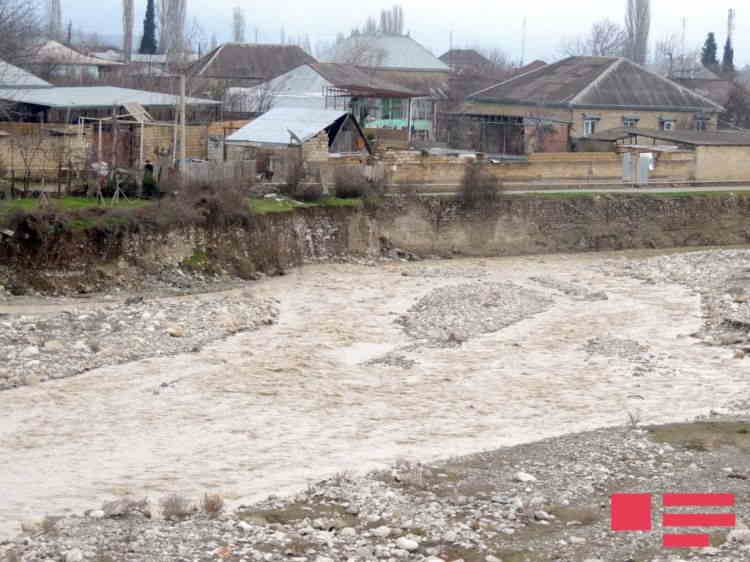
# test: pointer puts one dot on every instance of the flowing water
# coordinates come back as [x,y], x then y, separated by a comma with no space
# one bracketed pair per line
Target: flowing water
[269,411]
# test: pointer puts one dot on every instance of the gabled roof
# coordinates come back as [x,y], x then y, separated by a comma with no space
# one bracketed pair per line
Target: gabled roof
[359,81]
[464,57]
[688,137]
[53,52]
[596,82]
[276,126]
[93,96]
[14,77]
[397,52]
[250,61]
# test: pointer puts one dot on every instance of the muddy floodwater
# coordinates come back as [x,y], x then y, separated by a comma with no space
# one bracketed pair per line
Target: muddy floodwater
[337,385]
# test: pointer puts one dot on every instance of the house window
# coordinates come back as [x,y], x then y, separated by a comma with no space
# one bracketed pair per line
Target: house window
[701,123]
[667,124]
[630,122]
[589,127]
[393,109]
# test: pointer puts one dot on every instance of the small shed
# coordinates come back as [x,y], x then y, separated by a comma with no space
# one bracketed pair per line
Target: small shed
[318,131]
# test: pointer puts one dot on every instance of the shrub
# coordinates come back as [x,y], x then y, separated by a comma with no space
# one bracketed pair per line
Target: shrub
[479,188]
[174,507]
[350,183]
[310,193]
[213,504]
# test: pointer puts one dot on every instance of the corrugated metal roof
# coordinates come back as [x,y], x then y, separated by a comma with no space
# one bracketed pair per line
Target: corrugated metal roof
[94,96]
[274,126]
[14,77]
[689,137]
[386,51]
[596,82]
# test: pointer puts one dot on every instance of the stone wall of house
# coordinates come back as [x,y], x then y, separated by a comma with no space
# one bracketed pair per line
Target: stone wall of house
[316,149]
[609,119]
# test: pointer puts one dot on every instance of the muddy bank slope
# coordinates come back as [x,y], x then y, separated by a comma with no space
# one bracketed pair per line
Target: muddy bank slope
[49,257]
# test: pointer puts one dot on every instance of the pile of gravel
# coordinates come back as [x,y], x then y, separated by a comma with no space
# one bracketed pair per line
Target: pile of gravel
[572,290]
[544,501]
[454,314]
[39,348]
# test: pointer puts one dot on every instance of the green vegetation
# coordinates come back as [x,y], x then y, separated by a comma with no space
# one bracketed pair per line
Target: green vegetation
[67,204]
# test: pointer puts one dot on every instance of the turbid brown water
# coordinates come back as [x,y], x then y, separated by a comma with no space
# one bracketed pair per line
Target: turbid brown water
[268,411]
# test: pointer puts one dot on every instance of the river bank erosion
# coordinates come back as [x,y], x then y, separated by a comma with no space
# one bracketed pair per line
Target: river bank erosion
[334,370]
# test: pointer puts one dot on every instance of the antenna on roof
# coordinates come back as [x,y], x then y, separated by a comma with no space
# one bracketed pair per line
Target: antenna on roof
[523,42]
[731,24]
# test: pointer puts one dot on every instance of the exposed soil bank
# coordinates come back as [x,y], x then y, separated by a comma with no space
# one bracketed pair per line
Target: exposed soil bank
[54,257]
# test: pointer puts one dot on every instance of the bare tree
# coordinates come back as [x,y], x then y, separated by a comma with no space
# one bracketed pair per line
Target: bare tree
[359,50]
[20,27]
[605,39]
[239,25]
[54,20]
[128,19]
[638,28]
[172,18]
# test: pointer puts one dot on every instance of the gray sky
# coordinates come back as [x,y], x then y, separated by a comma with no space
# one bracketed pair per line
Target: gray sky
[485,23]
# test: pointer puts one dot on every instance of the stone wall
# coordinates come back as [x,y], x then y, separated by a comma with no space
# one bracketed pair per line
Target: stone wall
[437,174]
[722,163]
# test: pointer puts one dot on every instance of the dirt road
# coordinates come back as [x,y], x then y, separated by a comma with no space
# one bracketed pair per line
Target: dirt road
[268,411]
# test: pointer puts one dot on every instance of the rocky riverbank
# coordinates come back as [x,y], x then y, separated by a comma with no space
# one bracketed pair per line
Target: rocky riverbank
[721,277]
[542,502]
[41,347]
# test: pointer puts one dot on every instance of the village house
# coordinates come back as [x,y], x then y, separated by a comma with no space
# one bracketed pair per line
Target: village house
[60,63]
[399,59]
[329,86]
[704,82]
[243,65]
[550,108]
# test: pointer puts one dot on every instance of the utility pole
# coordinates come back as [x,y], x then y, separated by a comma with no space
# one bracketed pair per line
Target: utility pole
[523,42]
[183,128]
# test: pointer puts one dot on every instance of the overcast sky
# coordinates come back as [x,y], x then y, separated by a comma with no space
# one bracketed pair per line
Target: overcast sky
[485,23]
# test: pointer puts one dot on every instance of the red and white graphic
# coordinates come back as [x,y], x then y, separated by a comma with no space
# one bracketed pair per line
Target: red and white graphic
[634,512]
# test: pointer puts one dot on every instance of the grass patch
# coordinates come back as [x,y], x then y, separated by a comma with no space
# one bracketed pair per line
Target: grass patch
[67,204]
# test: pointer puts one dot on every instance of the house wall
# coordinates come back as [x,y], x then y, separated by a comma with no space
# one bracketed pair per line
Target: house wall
[722,163]
[609,119]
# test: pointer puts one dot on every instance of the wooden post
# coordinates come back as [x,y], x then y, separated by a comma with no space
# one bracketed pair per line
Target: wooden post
[408,125]
[114,136]
[183,128]
[99,147]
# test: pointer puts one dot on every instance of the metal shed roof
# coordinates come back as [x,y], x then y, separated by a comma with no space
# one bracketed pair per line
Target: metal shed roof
[94,96]
[274,126]
[688,137]
[14,77]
